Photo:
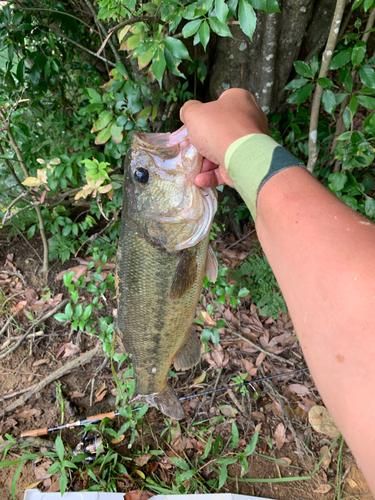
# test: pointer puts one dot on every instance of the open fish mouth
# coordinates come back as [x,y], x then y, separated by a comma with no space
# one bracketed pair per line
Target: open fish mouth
[164,140]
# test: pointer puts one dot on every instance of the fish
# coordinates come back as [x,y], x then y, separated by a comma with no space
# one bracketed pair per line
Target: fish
[162,258]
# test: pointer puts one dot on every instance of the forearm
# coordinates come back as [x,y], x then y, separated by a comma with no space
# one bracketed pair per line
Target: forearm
[322,254]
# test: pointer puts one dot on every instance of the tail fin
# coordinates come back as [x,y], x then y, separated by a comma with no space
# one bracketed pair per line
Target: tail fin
[166,401]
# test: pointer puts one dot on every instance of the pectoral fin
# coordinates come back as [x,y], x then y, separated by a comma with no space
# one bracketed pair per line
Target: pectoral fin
[189,354]
[212,265]
[185,275]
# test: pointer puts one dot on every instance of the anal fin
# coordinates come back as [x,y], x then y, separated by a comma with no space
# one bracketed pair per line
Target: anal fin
[166,401]
[189,354]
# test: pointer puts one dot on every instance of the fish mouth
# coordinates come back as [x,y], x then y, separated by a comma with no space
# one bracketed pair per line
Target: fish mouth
[163,140]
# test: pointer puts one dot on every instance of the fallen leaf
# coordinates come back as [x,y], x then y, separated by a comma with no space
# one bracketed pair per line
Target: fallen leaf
[299,389]
[261,357]
[138,495]
[41,362]
[24,413]
[327,459]
[100,392]
[321,421]
[249,367]
[54,487]
[118,440]
[70,349]
[40,473]
[101,396]
[280,435]
[228,410]
[287,461]
[323,489]
[259,416]
[199,379]
[78,272]
[76,394]
[208,321]
[142,460]
[351,483]
[32,486]
[60,350]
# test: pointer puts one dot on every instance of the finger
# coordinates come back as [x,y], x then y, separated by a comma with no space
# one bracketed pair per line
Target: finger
[211,178]
[208,165]
[185,107]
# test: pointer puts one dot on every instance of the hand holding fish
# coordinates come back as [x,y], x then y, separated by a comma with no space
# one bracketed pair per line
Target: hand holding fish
[214,126]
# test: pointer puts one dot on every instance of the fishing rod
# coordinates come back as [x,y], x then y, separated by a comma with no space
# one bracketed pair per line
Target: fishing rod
[95,419]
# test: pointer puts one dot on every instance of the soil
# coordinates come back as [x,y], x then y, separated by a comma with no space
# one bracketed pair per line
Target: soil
[37,357]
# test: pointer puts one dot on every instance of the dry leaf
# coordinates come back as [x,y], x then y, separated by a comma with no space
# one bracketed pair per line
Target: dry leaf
[76,394]
[70,349]
[249,367]
[228,410]
[351,483]
[118,440]
[41,362]
[321,421]
[59,351]
[299,389]
[78,272]
[280,435]
[24,413]
[100,392]
[138,495]
[287,461]
[208,321]
[54,487]
[261,357]
[40,472]
[101,396]
[142,460]
[32,486]
[323,489]
[327,459]
[259,416]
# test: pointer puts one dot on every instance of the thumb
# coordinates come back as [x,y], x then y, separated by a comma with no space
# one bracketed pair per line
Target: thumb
[185,110]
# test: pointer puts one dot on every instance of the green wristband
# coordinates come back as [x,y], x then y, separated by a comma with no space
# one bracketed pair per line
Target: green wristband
[251,161]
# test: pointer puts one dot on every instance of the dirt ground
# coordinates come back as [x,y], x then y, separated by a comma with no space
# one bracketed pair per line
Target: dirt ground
[281,407]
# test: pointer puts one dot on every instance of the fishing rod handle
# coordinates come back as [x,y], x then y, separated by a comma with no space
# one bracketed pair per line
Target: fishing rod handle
[35,432]
[101,416]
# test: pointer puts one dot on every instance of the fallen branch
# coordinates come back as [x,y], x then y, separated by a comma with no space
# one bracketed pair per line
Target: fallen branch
[81,360]
[327,57]
[256,346]
[35,442]
[37,323]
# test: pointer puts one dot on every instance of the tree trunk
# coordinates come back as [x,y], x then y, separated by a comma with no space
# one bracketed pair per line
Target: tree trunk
[264,65]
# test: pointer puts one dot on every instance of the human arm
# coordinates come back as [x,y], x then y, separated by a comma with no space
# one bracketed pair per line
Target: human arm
[322,253]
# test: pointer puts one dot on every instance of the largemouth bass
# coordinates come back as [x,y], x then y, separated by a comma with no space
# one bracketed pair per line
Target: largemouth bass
[163,256]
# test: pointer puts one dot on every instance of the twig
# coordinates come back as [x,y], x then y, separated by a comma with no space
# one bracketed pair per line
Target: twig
[27,242]
[12,171]
[99,369]
[26,173]
[9,396]
[81,360]
[16,200]
[35,442]
[241,239]
[340,127]
[13,273]
[6,325]
[95,236]
[256,346]
[82,47]
[37,323]
[315,107]
[216,382]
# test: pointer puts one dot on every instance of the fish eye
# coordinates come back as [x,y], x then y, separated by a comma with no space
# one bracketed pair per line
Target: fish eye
[141,175]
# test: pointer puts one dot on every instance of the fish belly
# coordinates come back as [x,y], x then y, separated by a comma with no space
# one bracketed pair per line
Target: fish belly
[154,328]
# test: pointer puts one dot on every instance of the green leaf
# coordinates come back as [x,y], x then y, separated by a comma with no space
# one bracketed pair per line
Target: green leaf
[347,118]
[223,473]
[120,68]
[367,102]
[235,435]
[250,448]
[176,47]
[329,101]
[221,10]
[31,231]
[303,69]
[104,135]
[14,481]
[63,481]
[300,96]
[326,83]
[116,133]
[243,292]
[59,448]
[204,34]
[359,52]
[61,317]
[69,310]
[187,475]
[180,462]
[356,4]
[370,206]
[102,121]
[340,59]
[367,5]
[207,450]
[190,28]
[353,104]
[247,18]
[87,312]
[367,76]
[158,65]
[220,28]
[94,95]
[21,70]
[337,181]
[297,83]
